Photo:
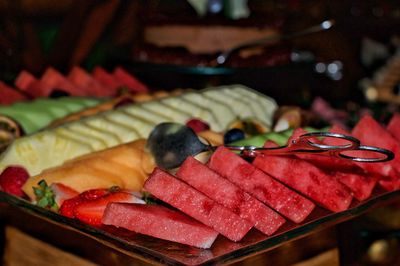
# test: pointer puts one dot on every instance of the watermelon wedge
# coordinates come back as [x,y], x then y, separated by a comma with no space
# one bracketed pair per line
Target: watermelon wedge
[31,85]
[160,222]
[229,195]
[262,186]
[370,132]
[52,79]
[394,126]
[82,79]
[24,80]
[197,205]
[107,80]
[307,179]
[10,95]
[132,83]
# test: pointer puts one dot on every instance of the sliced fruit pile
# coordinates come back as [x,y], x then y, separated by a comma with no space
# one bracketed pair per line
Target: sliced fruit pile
[226,195]
[219,106]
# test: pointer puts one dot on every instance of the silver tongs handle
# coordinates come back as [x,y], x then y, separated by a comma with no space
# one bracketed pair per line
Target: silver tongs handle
[309,143]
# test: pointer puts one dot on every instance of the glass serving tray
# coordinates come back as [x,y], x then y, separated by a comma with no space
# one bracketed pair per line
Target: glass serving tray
[223,250]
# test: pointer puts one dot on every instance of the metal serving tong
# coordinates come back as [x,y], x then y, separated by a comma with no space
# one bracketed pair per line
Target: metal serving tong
[172,143]
[306,144]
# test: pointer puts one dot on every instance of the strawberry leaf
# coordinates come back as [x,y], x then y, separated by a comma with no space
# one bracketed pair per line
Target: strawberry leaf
[45,196]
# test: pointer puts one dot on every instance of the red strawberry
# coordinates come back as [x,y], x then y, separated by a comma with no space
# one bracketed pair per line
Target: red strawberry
[12,179]
[91,212]
[62,192]
[197,125]
[68,206]
[93,194]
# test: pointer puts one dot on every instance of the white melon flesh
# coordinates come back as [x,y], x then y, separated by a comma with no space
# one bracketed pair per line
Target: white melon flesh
[173,114]
[122,132]
[87,128]
[143,125]
[94,142]
[223,113]
[123,119]
[195,110]
[240,108]
[34,153]
[269,104]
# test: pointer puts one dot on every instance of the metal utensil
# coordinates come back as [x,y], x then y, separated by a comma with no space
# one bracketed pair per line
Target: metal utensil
[172,143]
[224,56]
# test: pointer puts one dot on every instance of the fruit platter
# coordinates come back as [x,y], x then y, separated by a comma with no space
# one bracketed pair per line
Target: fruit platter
[98,173]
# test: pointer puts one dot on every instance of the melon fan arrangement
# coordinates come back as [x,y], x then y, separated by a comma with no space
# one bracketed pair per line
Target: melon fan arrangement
[98,170]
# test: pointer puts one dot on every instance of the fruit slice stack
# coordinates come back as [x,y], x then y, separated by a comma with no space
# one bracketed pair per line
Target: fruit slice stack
[230,196]
[217,106]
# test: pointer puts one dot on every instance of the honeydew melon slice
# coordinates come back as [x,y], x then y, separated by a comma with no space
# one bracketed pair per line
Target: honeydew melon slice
[142,125]
[81,127]
[196,110]
[94,143]
[52,106]
[220,110]
[255,106]
[170,113]
[30,121]
[123,120]
[138,111]
[81,101]
[121,132]
[240,108]
[269,104]
[34,154]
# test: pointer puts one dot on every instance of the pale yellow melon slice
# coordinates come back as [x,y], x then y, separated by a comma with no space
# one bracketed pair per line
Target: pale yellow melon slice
[127,166]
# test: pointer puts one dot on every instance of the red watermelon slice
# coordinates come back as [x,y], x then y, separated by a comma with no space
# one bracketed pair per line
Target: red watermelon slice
[263,187]
[132,83]
[52,79]
[24,80]
[229,195]
[10,95]
[197,205]
[28,83]
[82,79]
[307,179]
[394,126]
[370,132]
[107,80]
[159,222]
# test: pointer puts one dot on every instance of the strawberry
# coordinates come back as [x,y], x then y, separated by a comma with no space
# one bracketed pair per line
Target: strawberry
[12,179]
[91,212]
[93,194]
[68,206]
[62,192]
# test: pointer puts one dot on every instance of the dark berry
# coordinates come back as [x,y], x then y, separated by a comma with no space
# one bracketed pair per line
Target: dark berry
[233,135]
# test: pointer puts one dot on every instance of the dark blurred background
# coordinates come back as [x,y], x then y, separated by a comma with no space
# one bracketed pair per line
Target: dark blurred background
[35,34]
